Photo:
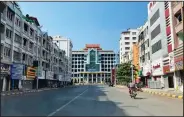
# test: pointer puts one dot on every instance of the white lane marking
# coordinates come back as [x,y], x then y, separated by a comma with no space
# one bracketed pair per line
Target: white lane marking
[51,114]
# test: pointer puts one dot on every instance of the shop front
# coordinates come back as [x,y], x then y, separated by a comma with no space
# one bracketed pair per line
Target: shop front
[5,77]
[157,72]
[145,74]
[29,81]
[179,72]
[168,70]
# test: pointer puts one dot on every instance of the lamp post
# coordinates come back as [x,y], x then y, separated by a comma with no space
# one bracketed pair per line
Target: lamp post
[132,72]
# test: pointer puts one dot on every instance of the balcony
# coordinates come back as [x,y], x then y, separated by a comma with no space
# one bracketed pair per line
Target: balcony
[177,6]
[179,27]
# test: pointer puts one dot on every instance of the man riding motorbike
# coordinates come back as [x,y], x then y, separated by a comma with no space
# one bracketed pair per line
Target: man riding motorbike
[132,87]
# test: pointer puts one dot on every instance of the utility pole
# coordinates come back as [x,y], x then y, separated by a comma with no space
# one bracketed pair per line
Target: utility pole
[132,73]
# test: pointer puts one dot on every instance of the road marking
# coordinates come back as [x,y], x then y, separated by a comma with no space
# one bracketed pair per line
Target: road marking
[51,114]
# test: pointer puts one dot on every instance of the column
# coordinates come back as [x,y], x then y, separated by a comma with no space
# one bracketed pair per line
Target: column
[4,84]
[79,78]
[96,78]
[87,78]
[104,77]
[84,80]
[92,78]
[101,78]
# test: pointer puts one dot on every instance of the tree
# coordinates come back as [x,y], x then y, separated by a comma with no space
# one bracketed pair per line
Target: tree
[124,73]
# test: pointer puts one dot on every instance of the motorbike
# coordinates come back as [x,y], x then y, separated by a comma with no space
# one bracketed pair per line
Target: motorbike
[133,94]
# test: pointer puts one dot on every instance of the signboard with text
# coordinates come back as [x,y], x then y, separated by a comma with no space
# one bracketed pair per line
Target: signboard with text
[17,71]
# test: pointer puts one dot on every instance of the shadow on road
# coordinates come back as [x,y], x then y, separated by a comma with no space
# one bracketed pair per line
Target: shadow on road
[94,102]
[140,98]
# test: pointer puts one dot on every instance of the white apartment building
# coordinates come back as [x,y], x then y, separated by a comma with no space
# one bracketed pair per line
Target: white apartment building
[22,43]
[127,39]
[66,45]
[158,40]
[144,54]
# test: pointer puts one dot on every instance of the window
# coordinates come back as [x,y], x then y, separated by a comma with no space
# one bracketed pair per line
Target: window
[9,15]
[134,38]
[127,33]
[155,32]
[126,43]
[16,56]
[25,42]
[133,33]
[148,55]
[154,17]
[18,38]
[1,50]
[25,27]
[17,22]
[148,43]
[127,38]
[156,47]
[7,52]
[134,43]
[178,17]
[127,48]
[9,33]
[31,32]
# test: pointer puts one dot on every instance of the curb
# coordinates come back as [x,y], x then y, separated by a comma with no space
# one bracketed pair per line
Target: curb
[29,91]
[164,94]
[18,93]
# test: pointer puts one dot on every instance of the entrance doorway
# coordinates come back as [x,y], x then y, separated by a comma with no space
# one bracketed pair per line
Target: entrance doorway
[171,81]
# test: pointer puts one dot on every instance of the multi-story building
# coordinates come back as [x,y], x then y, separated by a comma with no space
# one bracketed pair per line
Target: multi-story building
[24,44]
[128,38]
[93,65]
[135,60]
[177,19]
[144,54]
[65,44]
[158,37]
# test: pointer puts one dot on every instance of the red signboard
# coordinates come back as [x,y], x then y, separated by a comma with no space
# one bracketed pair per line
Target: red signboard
[166,69]
[156,66]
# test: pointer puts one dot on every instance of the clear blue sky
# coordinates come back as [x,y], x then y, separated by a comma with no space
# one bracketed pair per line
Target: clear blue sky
[88,22]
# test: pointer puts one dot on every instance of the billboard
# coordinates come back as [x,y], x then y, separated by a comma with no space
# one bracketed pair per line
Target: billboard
[17,71]
[31,72]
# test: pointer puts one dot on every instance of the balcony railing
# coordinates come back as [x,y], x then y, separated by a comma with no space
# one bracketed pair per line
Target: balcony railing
[179,27]
[177,6]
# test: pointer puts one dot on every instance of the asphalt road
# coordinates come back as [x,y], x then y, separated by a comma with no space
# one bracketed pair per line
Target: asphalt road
[93,100]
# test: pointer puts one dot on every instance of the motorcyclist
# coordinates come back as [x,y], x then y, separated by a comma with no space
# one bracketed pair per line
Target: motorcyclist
[132,87]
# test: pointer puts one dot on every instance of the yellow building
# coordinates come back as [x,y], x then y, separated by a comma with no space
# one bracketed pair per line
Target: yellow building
[135,58]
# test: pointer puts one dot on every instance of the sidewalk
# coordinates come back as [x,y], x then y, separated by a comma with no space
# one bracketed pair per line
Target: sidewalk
[162,92]
[165,92]
[18,92]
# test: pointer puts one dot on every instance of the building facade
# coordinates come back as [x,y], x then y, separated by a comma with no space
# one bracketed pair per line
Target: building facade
[127,39]
[177,18]
[93,65]
[24,45]
[144,54]
[135,60]
[158,40]
[66,45]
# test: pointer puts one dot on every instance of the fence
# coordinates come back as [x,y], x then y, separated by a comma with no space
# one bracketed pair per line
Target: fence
[154,84]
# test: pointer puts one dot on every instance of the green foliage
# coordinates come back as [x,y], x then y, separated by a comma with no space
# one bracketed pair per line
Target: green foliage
[124,72]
